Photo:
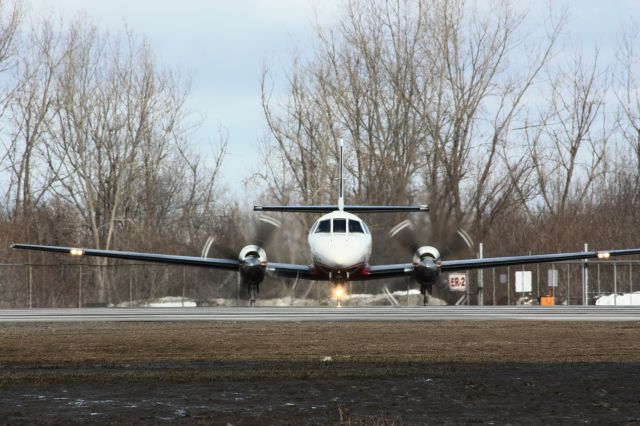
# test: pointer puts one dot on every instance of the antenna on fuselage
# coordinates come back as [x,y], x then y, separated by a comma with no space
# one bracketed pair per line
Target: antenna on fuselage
[341,180]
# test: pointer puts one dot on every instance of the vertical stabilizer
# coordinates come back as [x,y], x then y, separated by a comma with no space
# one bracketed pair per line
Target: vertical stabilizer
[341,180]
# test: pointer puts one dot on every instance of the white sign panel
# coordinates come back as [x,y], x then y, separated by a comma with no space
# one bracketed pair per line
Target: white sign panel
[458,282]
[552,276]
[523,281]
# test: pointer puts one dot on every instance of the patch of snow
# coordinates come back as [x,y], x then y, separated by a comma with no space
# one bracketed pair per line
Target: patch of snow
[357,299]
[171,302]
[361,296]
[624,299]
[413,291]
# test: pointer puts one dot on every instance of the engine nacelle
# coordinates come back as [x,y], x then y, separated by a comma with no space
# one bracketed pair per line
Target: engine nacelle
[426,270]
[254,264]
[426,251]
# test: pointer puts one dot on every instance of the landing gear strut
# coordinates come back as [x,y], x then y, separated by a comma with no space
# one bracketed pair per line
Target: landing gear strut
[253,291]
[425,290]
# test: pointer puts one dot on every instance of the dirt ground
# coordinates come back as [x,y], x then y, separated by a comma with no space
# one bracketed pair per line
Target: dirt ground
[320,373]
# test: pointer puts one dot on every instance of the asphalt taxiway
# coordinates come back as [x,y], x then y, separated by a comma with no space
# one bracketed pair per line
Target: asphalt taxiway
[377,313]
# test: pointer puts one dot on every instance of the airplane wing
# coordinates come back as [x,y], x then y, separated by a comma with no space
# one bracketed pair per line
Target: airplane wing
[229,264]
[402,269]
[291,270]
[464,264]
[286,270]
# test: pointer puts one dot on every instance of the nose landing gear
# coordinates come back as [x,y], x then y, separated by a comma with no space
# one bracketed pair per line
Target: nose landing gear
[253,291]
[425,290]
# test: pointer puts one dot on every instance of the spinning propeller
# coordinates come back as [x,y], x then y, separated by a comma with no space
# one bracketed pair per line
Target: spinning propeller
[449,239]
[252,258]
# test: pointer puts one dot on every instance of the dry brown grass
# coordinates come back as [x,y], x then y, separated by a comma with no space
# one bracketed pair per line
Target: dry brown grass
[380,373]
[446,341]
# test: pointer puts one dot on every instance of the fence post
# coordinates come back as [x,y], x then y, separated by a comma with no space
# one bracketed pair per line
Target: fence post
[599,290]
[79,286]
[30,287]
[538,280]
[630,284]
[508,286]
[184,282]
[585,278]
[481,279]
[568,284]
[615,283]
[493,287]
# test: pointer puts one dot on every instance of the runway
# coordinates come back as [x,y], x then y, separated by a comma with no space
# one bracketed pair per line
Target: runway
[378,313]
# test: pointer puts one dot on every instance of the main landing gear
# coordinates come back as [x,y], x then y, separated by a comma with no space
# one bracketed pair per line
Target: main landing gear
[425,290]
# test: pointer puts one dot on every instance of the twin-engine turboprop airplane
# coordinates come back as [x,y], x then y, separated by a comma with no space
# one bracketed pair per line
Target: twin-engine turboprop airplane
[340,245]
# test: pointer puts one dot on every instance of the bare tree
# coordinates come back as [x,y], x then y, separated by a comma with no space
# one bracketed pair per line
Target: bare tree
[30,111]
[114,111]
[627,85]
[10,19]
[471,103]
[427,98]
[569,150]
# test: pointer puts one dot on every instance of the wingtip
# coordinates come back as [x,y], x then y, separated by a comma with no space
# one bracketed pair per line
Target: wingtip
[12,245]
[257,208]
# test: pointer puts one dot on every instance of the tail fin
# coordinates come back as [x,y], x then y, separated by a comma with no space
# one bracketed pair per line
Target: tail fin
[341,207]
[341,180]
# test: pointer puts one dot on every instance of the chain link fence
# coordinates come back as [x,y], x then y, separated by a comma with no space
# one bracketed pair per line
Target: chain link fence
[74,284]
[575,283]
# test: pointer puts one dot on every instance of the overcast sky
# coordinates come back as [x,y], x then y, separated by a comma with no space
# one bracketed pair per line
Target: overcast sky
[223,44]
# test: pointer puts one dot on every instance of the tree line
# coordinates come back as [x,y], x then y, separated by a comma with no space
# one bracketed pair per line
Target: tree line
[484,112]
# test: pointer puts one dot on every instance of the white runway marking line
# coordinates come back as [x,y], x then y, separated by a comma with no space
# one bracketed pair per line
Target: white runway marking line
[274,314]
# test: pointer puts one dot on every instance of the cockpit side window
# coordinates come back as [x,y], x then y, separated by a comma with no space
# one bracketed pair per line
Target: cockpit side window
[324,226]
[339,226]
[366,228]
[355,227]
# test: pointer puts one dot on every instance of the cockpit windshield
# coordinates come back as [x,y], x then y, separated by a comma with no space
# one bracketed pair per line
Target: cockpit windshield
[355,227]
[324,226]
[340,225]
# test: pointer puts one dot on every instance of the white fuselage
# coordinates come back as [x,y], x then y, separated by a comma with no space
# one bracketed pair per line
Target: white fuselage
[340,244]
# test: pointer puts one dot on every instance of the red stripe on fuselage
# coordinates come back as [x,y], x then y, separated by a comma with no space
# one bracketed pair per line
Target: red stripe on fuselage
[350,269]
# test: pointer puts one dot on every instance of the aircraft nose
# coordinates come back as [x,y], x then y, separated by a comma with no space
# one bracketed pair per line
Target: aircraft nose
[346,256]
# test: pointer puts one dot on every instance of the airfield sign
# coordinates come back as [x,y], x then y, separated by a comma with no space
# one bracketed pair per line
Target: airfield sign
[523,281]
[458,281]
[552,277]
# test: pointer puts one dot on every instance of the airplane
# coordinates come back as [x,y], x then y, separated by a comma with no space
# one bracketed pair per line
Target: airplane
[340,246]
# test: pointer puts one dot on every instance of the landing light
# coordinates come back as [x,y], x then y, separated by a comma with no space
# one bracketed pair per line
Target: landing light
[338,294]
[76,252]
[603,255]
